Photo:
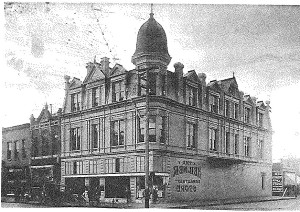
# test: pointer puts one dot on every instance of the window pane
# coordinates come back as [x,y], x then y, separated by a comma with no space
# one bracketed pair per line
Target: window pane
[122,130]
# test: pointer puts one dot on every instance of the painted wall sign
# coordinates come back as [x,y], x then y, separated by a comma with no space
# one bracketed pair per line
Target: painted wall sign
[277,182]
[187,175]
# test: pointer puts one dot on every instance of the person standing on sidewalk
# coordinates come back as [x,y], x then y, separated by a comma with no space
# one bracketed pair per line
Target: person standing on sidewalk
[128,194]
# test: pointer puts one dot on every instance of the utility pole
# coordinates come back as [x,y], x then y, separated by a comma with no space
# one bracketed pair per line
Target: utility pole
[147,192]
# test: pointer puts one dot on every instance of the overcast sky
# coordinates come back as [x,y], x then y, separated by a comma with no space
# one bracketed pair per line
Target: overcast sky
[260,44]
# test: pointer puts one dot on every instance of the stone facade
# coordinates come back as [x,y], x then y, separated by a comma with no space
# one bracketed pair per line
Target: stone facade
[45,154]
[16,147]
[206,140]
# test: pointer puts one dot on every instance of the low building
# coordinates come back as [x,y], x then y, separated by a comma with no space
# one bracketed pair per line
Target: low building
[45,154]
[284,180]
[16,148]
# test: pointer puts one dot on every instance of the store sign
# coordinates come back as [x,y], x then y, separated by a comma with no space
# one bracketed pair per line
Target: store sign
[187,175]
[277,182]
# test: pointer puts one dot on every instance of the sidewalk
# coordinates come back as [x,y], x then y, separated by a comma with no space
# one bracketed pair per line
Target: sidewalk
[178,205]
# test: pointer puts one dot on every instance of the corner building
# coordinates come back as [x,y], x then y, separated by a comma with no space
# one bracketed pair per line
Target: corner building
[206,140]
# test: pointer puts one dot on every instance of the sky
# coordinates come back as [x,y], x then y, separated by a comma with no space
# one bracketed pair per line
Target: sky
[260,44]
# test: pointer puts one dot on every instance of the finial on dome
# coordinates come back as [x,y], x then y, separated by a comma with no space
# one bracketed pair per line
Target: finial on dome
[151,14]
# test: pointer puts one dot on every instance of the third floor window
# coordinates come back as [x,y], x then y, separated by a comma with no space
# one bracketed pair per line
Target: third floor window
[118,91]
[214,103]
[75,102]
[260,119]
[247,115]
[213,139]
[95,97]
[191,96]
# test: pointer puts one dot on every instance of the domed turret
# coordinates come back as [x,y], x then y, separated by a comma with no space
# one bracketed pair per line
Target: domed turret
[151,46]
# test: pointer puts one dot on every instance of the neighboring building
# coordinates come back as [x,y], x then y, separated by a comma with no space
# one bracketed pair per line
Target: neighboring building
[284,180]
[207,141]
[15,157]
[45,153]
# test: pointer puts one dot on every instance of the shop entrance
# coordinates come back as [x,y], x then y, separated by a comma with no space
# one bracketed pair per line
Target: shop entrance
[115,187]
[75,185]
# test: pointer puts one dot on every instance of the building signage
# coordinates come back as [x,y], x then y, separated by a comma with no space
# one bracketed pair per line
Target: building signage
[187,175]
[277,182]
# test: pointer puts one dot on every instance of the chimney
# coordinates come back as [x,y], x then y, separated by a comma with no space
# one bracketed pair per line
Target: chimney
[89,67]
[67,82]
[105,64]
[202,78]
[179,77]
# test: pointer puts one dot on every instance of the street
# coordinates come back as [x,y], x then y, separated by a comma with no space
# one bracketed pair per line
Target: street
[286,205]
[20,205]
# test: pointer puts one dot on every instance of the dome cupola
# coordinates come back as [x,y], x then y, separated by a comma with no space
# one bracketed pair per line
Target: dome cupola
[151,46]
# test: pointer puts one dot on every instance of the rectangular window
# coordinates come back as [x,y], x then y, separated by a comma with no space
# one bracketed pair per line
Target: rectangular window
[191,135]
[214,103]
[35,147]
[163,85]
[213,139]
[236,144]
[227,143]
[118,132]
[9,150]
[247,146]
[23,149]
[161,125]
[141,127]
[17,149]
[75,102]
[118,91]
[191,94]
[75,139]
[117,164]
[263,181]
[152,128]
[260,119]
[247,115]
[95,97]
[140,164]
[260,148]
[152,83]
[142,84]
[102,95]
[227,108]
[236,110]
[95,133]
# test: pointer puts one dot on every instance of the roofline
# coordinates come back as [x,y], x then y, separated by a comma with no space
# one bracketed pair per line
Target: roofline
[16,127]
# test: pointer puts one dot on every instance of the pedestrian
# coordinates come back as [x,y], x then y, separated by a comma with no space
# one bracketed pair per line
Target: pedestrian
[128,194]
[154,194]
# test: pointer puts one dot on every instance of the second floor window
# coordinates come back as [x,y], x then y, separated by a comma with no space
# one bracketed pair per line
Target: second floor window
[260,148]
[75,139]
[157,129]
[235,110]
[191,96]
[236,144]
[75,102]
[247,115]
[214,103]
[95,97]
[9,150]
[117,132]
[118,91]
[23,149]
[213,139]
[95,135]
[227,108]
[227,143]
[191,135]
[260,119]
[17,149]
[247,146]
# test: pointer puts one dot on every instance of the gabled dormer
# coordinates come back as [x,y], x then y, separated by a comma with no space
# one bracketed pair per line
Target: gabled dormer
[94,73]
[192,76]
[45,115]
[117,70]
[75,83]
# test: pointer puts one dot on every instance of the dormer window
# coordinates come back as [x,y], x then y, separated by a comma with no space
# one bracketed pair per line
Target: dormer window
[191,94]
[247,115]
[214,103]
[118,91]
[75,102]
[260,119]
[95,97]
[235,110]
[227,108]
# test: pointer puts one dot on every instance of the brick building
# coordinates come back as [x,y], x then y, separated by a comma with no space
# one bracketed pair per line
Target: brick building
[15,158]
[45,154]
[206,140]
